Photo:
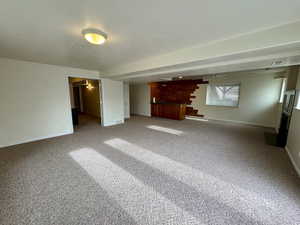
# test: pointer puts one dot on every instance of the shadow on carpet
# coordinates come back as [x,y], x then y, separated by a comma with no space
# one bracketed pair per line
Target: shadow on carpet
[271,139]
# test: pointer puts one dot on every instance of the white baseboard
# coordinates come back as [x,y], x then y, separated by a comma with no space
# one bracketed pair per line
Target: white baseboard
[196,118]
[113,123]
[292,160]
[242,122]
[37,139]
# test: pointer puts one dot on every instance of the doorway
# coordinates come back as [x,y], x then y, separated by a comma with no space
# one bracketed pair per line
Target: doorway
[85,101]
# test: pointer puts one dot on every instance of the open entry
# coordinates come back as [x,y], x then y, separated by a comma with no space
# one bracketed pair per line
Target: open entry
[85,100]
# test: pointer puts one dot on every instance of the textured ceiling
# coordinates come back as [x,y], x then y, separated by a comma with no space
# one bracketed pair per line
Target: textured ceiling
[50,31]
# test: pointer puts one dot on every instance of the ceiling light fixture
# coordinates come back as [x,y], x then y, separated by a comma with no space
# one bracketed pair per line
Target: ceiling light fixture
[94,36]
[180,77]
[88,85]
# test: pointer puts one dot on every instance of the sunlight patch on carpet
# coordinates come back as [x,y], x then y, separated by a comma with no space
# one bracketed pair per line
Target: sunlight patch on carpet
[141,202]
[165,129]
[241,200]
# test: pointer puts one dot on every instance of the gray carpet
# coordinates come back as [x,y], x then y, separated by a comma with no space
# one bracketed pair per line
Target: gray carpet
[150,172]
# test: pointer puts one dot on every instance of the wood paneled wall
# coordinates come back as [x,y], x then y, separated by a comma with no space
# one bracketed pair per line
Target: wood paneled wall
[179,91]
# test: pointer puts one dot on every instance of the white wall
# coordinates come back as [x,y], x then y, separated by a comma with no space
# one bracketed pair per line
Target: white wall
[259,96]
[112,102]
[140,99]
[293,145]
[35,100]
[126,101]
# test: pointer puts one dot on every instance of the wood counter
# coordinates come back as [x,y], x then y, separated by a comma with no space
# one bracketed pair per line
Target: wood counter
[173,111]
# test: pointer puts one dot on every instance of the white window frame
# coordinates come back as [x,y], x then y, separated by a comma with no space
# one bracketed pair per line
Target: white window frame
[298,101]
[283,89]
[226,84]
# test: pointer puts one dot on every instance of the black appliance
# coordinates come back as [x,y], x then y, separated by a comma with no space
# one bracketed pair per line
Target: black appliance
[287,110]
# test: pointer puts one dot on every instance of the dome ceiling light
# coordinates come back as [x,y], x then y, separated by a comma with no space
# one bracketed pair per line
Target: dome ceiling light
[94,36]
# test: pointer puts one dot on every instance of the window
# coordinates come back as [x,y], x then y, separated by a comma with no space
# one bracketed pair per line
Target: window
[298,102]
[283,87]
[223,95]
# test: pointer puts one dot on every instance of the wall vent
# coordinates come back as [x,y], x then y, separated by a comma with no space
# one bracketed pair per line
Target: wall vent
[279,62]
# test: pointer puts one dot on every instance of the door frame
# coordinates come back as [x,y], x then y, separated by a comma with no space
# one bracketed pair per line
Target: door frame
[100,93]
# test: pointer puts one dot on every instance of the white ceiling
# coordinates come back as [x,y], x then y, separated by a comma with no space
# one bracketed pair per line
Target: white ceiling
[247,68]
[49,31]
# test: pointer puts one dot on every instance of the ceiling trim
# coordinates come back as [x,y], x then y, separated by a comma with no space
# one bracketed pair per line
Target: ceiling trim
[234,63]
[285,38]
